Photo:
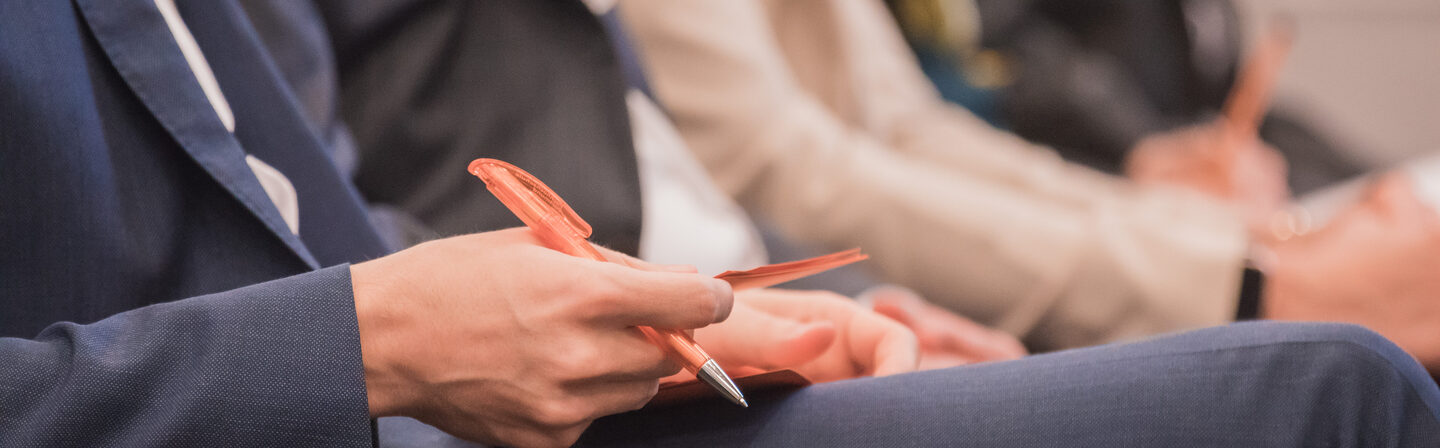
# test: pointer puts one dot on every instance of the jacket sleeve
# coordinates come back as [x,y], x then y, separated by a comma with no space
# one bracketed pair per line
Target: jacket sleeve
[274,364]
[974,218]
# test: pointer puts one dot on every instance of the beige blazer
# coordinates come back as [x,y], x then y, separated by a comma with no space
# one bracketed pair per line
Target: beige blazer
[814,115]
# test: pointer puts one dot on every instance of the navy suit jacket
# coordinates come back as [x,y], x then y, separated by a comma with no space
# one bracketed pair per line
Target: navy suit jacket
[150,293]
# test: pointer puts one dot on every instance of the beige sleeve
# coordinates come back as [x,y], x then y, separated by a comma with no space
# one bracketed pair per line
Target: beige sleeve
[1008,235]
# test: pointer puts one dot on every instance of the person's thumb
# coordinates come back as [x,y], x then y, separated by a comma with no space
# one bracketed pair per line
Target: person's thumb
[753,338]
[623,259]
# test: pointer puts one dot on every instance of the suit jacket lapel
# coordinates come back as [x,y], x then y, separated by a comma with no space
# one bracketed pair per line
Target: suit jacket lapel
[270,124]
[135,38]
[137,42]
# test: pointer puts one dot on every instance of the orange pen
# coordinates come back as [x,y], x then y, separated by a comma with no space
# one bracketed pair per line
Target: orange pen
[1245,107]
[557,225]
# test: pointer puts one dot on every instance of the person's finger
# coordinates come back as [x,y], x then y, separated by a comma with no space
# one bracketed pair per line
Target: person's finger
[630,355]
[664,300]
[1007,346]
[896,311]
[931,335]
[881,346]
[937,329]
[871,342]
[930,360]
[621,258]
[929,332]
[896,351]
[1392,194]
[610,398]
[971,339]
[991,345]
[1226,143]
[757,339]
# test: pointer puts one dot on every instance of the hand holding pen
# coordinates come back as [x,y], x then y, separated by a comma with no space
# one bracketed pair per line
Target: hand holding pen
[480,336]
[558,227]
[561,229]
[1226,158]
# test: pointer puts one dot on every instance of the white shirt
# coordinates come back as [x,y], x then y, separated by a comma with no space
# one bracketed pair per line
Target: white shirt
[276,185]
[687,219]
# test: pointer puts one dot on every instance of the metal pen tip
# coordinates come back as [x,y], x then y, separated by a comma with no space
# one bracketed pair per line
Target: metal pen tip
[711,374]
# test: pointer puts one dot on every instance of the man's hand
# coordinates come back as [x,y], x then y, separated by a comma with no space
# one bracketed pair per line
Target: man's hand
[1376,264]
[495,338]
[1213,159]
[824,336]
[946,339]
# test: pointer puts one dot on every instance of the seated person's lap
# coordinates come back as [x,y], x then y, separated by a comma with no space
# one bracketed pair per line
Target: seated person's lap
[1255,384]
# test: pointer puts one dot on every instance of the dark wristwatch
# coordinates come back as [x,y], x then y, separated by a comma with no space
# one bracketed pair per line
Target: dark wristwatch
[1252,283]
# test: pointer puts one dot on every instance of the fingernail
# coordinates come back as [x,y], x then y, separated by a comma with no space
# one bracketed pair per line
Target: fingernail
[724,298]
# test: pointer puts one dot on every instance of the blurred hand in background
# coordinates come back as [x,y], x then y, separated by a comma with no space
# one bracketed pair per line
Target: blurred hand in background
[822,335]
[1376,264]
[828,337]
[1213,159]
[946,339]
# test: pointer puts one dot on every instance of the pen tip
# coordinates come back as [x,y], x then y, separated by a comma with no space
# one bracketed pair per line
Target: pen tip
[711,374]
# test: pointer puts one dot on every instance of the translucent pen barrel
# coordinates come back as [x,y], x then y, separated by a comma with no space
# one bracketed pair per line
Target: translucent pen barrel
[557,225]
[688,353]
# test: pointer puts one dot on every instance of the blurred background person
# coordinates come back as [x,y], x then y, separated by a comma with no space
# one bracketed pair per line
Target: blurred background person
[155,92]
[815,116]
[1092,79]
[569,105]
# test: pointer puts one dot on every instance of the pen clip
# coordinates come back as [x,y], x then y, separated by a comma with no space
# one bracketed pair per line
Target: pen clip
[531,200]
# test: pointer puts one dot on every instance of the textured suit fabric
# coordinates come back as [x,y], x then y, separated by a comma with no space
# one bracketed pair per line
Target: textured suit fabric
[536,85]
[276,364]
[1243,385]
[1246,385]
[104,212]
[124,198]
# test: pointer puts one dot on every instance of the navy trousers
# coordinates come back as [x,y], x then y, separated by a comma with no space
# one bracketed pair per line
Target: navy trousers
[1250,384]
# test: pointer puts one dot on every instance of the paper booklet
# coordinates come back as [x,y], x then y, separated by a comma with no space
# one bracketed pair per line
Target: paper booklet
[1324,204]
[674,393]
[678,393]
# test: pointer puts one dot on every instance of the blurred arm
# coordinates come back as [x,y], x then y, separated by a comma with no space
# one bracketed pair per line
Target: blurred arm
[973,218]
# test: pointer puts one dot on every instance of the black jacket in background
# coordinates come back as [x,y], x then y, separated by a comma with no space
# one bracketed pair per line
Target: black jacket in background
[427,86]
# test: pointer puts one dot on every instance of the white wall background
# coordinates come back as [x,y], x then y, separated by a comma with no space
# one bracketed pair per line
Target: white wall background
[1367,72]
